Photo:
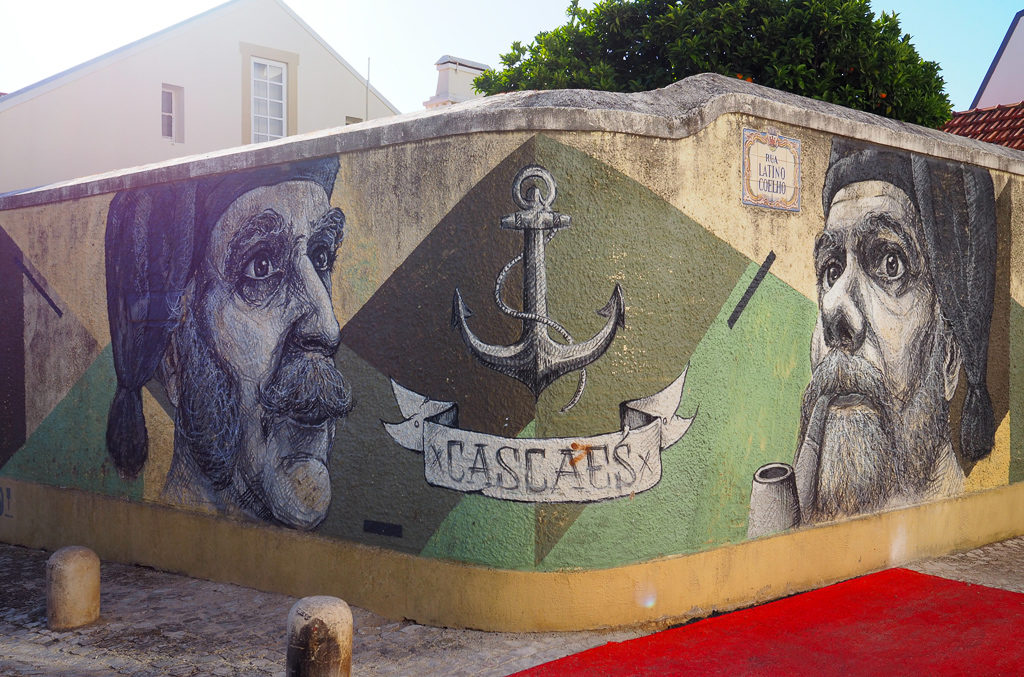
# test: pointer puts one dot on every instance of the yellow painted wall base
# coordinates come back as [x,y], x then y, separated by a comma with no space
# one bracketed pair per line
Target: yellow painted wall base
[445,593]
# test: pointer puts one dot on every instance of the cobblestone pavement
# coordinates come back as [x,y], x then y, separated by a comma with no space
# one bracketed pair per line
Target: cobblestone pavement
[998,565]
[154,624]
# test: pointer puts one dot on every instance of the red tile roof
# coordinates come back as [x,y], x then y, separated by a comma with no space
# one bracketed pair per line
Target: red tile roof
[999,124]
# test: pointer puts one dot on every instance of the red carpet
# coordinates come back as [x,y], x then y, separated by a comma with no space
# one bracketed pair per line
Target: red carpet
[895,622]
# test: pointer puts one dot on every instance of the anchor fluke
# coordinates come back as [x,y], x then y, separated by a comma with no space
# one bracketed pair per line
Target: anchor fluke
[616,306]
[460,311]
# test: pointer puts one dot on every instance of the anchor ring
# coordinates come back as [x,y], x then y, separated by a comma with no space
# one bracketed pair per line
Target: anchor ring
[534,198]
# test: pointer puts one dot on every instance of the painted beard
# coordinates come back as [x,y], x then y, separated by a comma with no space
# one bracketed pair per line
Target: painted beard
[207,422]
[874,451]
[276,469]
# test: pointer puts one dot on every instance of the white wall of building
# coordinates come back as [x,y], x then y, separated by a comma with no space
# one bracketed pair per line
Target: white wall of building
[1005,83]
[105,115]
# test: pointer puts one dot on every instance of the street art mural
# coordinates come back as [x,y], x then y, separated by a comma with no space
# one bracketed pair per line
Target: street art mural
[541,470]
[905,269]
[221,288]
[340,345]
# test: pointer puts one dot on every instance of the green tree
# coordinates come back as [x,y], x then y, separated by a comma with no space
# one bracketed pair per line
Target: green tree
[833,50]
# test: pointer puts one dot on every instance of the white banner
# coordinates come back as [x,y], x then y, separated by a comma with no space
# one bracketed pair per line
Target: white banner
[550,470]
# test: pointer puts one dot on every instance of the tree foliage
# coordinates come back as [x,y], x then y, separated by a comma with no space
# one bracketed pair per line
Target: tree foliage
[833,50]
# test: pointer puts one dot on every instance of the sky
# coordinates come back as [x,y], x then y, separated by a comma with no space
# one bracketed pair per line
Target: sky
[399,40]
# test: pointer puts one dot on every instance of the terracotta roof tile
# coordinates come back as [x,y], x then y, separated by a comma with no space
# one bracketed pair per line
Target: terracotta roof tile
[999,124]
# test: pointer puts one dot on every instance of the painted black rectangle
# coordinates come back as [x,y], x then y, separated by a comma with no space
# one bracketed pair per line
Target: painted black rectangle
[751,288]
[39,287]
[382,528]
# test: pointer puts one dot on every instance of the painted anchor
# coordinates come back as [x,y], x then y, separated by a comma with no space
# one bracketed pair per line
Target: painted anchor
[536,359]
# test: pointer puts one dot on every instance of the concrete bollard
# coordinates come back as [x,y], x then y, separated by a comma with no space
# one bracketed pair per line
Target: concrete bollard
[319,638]
[72,588]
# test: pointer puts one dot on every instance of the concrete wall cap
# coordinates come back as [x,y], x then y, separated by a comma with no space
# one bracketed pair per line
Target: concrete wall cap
[676,111]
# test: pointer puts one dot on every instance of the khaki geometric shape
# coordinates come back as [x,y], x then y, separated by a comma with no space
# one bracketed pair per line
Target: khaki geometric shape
[64,242]
[700,175]
[994,469]
[388,211]
[58,350]
[160,428]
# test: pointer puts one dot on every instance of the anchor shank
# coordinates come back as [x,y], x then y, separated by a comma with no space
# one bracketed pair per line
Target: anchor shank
[535,282]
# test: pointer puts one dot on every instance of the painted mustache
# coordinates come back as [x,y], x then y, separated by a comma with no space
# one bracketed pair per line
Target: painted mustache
[309,390]
[840,374]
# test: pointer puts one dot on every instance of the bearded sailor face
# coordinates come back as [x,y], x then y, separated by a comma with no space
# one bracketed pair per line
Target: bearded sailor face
[884,365]
[257,393]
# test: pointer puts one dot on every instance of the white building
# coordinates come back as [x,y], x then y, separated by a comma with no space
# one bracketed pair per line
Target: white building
[243,72]
[1004,81]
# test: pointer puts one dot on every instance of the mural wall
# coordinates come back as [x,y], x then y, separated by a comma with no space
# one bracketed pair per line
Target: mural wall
[527,350]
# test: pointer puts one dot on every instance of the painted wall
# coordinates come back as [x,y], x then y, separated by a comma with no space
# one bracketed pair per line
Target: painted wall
[106,116]
[515,336]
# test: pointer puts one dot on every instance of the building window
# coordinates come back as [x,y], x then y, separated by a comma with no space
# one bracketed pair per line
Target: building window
[167,113]
[270,93]
[269,99]
[172,113]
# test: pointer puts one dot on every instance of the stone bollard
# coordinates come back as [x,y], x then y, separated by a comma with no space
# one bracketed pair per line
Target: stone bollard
[319,638]
[72,588]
